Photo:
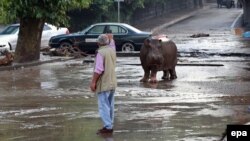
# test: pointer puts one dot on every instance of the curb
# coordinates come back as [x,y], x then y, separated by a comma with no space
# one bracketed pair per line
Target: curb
[35,63]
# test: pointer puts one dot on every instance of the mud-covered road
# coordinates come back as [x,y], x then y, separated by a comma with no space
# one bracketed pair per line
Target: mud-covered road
[52,102]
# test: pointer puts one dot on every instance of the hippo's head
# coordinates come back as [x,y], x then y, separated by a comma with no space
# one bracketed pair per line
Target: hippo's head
[151,53]
[155,42]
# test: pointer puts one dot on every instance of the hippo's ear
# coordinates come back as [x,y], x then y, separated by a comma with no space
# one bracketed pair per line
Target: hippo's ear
[146,42]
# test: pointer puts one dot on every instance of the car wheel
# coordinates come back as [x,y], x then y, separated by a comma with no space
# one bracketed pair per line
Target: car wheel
[128,47]
[65,44]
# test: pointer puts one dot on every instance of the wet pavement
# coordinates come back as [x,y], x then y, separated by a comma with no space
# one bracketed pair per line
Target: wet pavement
[53,102]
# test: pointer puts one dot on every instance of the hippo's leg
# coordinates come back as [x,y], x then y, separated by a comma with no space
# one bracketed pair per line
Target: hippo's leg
[165,75]
[153,77]
[172,74]
[146,75]
[153,74]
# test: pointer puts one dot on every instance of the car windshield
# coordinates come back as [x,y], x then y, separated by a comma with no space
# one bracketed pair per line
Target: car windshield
[86,29]
[10,30]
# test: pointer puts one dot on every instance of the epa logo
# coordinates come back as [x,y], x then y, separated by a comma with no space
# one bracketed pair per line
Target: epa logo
[238,132]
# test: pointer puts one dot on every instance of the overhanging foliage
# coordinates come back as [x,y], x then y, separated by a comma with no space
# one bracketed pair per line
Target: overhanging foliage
[52,11]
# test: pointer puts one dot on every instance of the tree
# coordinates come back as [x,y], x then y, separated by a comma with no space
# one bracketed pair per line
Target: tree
[32,14]
[246,13]
[103,11]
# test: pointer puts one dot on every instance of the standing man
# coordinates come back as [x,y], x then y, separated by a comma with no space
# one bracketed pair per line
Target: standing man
[104,82]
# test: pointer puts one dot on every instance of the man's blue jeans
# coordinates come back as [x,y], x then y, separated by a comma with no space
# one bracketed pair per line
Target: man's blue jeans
[106,108]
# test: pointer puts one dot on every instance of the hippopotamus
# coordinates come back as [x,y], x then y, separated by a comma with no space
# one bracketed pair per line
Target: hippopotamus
[158,53]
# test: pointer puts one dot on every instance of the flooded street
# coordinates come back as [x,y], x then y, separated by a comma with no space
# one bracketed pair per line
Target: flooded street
[53,102]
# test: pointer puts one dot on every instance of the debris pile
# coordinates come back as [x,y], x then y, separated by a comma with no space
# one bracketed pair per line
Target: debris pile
[7,58]
[64,51]
[199,35]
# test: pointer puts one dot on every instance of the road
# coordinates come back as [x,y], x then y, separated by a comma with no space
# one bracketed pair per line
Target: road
[52,102]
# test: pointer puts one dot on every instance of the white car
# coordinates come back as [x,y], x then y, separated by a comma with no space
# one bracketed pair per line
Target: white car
[10,34]
[4,45]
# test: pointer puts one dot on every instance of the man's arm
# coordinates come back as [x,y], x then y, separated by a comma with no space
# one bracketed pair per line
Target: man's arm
[95,77]
[99,68]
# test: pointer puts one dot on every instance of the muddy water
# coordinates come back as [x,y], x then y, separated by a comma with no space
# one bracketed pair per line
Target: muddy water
[53,102]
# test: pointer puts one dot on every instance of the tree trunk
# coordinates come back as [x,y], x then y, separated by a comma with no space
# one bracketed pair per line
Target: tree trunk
[29,40]
[247,14]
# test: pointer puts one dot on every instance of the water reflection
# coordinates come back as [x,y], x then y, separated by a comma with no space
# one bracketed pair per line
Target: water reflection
[150,85]
[107,137]
[245,42]
[51,76]
[49,85]
[29,78]
[23,79]
[161,84]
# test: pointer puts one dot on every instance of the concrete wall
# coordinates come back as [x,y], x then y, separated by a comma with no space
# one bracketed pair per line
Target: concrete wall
[156,9]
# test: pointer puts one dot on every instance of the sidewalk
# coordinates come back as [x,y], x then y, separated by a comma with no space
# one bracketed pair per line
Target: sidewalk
[156,24]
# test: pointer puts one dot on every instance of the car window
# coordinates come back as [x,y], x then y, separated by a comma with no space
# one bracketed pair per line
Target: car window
[117,29]
[133,28]
[97,29]
[46,27]
[10,30]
